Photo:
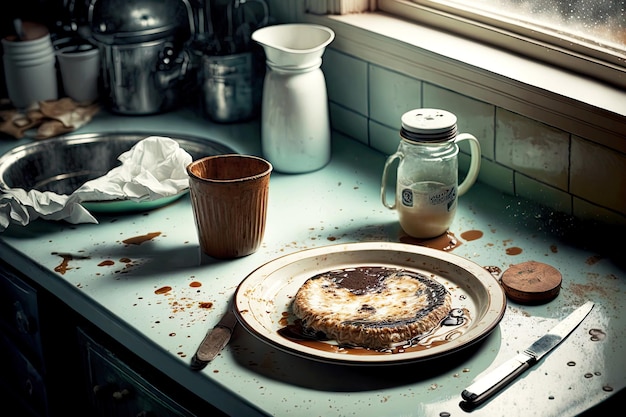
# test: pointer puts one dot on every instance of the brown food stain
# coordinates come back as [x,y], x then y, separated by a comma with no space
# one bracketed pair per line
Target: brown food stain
[446,242]
[107,262]
[513,250]
[592,260]
[138,240]
[163,290]
[63,267]
[472,235]
[206,304]
[195,284]
[583,290]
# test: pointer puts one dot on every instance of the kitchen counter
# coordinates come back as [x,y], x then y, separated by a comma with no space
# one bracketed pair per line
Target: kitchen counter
[121,288]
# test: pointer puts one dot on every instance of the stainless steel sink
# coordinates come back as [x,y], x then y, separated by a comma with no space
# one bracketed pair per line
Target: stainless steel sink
[64,163]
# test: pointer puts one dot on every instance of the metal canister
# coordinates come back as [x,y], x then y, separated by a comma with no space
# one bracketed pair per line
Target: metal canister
[227,87]
[143,50]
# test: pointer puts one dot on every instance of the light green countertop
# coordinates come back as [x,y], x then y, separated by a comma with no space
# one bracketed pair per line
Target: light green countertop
[335,205]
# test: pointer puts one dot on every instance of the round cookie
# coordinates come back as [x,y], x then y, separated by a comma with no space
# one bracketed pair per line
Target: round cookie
[531,282]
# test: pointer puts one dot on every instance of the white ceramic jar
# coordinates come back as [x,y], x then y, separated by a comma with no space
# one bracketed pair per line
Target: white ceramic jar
[295,125]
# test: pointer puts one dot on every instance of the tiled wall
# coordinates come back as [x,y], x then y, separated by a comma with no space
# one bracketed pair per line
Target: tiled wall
[520,156]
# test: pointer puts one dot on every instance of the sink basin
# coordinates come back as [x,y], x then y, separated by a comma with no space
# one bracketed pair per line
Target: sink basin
[63,164]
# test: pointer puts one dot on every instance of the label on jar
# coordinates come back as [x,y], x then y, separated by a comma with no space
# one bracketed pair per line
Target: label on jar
[427,208]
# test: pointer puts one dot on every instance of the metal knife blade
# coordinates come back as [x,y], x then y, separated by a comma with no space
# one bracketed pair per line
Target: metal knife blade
[497,379]
[214,341]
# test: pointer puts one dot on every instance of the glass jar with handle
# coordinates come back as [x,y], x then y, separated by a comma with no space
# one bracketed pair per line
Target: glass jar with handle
[427,186]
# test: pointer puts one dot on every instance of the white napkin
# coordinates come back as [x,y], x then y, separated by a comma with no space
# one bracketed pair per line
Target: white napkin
[21,207]
[154,168]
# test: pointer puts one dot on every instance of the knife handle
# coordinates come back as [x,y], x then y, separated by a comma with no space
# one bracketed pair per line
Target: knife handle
[497,379]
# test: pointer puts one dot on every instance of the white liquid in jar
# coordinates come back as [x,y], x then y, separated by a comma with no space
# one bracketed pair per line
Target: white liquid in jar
[426,209]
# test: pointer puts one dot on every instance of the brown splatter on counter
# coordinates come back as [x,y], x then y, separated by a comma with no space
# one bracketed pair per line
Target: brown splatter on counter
[107,262]
[63,267]
[583,290]
[513,250]
[163,290]
[470,235]
[445,242]
[138,240]
[592,260]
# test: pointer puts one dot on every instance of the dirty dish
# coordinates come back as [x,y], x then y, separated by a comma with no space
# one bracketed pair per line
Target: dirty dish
[263,299]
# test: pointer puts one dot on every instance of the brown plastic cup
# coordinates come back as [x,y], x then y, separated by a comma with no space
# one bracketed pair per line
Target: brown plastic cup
[229,195]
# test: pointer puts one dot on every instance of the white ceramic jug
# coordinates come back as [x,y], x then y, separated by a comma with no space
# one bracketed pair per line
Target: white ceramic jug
[295,125]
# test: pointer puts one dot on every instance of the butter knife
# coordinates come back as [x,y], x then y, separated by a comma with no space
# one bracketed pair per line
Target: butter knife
[494,381]
[214,341]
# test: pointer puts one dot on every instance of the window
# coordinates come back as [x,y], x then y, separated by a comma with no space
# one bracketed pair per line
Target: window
[585,36]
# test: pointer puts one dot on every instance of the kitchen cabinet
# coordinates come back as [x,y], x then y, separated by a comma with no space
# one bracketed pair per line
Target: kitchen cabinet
[55,363]
[38,373]
[115,388]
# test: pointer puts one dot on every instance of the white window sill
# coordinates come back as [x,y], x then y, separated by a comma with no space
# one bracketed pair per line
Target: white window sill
[582,106]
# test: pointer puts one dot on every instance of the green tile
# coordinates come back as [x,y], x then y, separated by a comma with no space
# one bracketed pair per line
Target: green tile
[391,95]
[346,80]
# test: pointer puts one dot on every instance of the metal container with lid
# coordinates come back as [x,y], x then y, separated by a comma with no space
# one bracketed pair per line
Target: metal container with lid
[143,48]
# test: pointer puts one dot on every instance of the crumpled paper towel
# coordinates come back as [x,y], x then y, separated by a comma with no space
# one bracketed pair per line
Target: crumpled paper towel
[154,168]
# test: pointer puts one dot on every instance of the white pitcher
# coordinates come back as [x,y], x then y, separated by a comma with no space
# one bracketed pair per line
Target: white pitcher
[295,124]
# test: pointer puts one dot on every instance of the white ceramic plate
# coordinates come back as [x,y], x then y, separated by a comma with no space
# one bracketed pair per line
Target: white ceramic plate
[263,299]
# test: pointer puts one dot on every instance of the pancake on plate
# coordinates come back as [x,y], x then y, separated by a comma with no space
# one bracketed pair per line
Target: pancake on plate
[371,307]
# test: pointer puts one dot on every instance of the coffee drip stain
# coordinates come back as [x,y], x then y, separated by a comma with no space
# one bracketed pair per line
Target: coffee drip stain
[163,290]
[63,267]
[138,240]
[445,242]
[470,235]
[513,250]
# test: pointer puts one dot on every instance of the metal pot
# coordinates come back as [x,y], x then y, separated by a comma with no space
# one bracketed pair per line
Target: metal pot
[143,49]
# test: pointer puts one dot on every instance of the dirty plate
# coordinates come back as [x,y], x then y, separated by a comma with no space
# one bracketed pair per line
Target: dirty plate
[263,299]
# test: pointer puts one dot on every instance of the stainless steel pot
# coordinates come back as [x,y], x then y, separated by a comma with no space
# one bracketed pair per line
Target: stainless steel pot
[144,55]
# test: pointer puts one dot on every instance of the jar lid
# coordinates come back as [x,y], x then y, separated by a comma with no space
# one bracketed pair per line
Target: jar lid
[428,125]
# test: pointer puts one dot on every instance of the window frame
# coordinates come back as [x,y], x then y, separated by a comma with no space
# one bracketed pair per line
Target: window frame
[581,105]
[542,46]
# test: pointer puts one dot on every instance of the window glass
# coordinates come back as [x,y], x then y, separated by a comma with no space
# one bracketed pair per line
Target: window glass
[598,22]
[584,36]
